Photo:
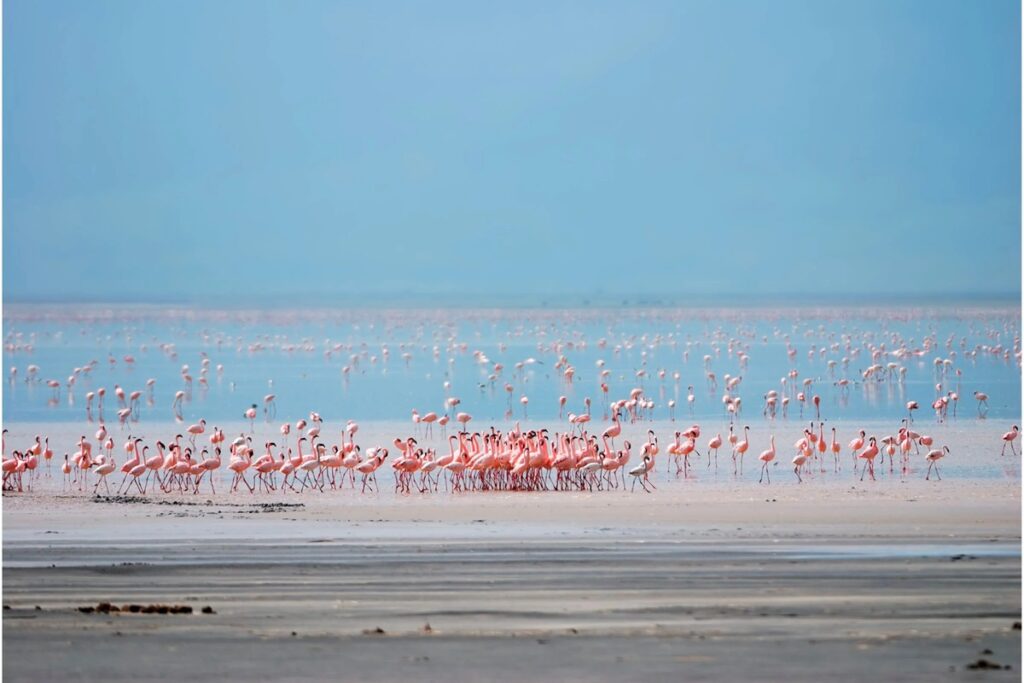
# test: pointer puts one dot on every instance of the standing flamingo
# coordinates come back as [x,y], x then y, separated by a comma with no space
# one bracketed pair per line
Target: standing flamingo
[250,415]
[1008,439]
[766,457]
[195,430]
[982,399]
[713,445]
[102,471]
[739,449]
[614,430]
[868,455]
[933,458]
[835,448]
[642,471]
[855,445]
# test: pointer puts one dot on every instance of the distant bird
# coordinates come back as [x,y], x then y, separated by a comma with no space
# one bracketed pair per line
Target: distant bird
[250,415]
[982,401]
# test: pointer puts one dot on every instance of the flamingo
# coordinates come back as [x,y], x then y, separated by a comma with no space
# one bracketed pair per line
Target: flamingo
[179,397]
[1008,439]
[982,399]
[798,461]
[250,415]
[855,445]
[835,448]
[740,448]
[195,430]
[102,471]
[65,468]
[713,445]
[614,430]
[241,460]
[933,458]
[868,455]
[766,457]
[429,419]
[369,468]
[154,465]
[642,471]
[129,465]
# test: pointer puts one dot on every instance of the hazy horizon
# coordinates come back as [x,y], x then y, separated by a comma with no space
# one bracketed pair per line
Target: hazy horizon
[387,300]
[268,152]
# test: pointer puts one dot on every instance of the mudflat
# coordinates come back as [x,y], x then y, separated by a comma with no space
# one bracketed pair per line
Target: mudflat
[849,581]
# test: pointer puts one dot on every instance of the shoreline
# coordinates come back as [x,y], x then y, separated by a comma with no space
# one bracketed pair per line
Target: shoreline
[892,580]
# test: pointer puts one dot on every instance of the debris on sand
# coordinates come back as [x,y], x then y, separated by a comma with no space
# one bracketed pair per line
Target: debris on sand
[133,608]
[986,665]
[275,506]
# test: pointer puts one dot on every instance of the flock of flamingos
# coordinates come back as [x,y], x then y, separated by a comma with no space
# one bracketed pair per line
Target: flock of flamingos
[516,460]
[571,459]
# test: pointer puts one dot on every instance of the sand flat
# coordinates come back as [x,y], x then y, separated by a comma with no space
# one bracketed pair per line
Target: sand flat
[706,579]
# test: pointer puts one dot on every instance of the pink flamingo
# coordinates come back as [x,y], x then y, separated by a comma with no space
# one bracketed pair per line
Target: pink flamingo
[836,449]
[210,466]
[766,457]
[982,399]
[154,464]
[369,468]
[429,419]
[129,465]
[869,454]
[933,458]
[1008,439]
[713,445]
[614,430]
[65,468]
[250,415]
[856,445]
[241,459]
[351,460]
[102,471]
[195,430]
[740,448]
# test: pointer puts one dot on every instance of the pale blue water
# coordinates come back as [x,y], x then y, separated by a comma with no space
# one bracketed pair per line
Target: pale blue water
[288,349]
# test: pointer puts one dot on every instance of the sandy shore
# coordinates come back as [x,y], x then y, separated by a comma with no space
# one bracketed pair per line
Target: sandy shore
[715,578]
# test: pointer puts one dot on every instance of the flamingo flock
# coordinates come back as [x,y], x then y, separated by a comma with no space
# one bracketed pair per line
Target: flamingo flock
[868,359]
[442,453]
[493,460]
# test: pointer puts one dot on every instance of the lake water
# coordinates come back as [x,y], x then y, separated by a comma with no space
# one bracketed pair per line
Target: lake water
[380,365]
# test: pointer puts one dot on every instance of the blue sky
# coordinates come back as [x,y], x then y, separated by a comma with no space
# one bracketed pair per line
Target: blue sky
[224,150]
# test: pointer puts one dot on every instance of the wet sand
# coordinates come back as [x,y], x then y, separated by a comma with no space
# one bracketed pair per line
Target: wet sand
[708,579]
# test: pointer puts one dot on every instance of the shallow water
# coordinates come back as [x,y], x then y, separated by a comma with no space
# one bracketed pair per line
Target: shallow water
[379,365]
[975,457]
